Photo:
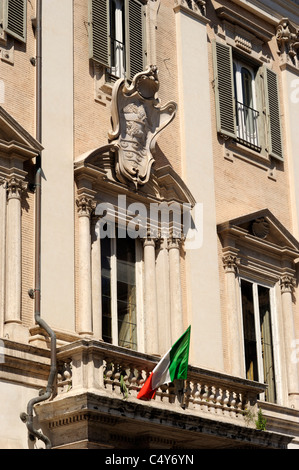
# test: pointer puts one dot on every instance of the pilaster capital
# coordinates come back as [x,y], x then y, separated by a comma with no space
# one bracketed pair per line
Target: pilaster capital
[85,203]
[287,283]
[230,263]
[174,242]
[15,186]
[287,36]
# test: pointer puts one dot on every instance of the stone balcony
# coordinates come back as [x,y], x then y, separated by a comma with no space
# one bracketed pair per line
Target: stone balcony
[95,405]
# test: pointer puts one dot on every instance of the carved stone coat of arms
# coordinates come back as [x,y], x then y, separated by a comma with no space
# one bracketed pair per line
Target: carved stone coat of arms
[137,119]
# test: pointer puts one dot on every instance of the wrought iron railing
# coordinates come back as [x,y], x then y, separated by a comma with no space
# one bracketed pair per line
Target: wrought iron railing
[118,59]
[247,126]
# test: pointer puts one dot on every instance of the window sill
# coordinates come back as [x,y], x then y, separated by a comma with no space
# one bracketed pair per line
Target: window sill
[235,150]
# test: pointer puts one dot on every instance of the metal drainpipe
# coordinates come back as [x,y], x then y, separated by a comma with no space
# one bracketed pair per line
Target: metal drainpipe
[28,418]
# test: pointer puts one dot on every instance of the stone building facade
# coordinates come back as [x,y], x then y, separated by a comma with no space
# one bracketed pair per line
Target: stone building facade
[149,181]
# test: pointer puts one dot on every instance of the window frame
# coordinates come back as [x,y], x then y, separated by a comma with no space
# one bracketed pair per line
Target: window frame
[114,294]
[267,100]
[274,331]
[252,136]
[100,46]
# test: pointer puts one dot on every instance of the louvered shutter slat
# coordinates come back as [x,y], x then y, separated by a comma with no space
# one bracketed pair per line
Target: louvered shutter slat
[224,90]
[99,47]
[15,17]
[273,115]
[134,38]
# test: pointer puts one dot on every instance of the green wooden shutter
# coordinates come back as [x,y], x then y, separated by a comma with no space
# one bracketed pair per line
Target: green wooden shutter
[134,37]
[98,38]
[15,19]
[273,115]
[224,89]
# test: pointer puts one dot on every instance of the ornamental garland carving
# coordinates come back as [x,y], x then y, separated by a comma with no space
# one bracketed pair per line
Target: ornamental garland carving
[137,119]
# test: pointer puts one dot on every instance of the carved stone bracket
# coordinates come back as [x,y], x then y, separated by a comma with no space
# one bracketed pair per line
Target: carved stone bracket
[287,36]
[287,283]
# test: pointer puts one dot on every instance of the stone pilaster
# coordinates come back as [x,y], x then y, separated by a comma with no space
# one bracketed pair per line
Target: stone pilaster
[287,284]
[13,263]
[151,309]
[85,206]
[2,250]
[230,264]
[176,308]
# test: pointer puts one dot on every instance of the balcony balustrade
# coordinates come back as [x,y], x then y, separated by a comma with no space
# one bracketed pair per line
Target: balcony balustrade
[115,372]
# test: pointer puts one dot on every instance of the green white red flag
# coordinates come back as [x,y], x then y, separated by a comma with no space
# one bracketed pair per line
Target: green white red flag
[172,366]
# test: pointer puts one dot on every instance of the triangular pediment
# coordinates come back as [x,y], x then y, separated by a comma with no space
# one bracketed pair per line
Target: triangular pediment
[258,227]
[15,139]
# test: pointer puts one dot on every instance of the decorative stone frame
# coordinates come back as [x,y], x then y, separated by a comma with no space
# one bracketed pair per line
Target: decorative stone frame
[94,176]
[16,147]
[260,248]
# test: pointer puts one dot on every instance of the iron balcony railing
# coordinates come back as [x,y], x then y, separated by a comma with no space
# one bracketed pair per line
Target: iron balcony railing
[247,126]
[118,59]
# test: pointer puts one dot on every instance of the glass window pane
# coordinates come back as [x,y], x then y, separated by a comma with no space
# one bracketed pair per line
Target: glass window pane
[106,289]
[249,331]
[247,87]
[267,342]
[126,293]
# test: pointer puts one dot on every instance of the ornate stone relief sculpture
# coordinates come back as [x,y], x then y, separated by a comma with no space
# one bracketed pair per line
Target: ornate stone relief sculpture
[137,119]
[287,36]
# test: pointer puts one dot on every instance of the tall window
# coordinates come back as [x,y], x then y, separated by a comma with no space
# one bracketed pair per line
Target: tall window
[246,112]
[116,38]
[258,336]
[251,120]
[119,320]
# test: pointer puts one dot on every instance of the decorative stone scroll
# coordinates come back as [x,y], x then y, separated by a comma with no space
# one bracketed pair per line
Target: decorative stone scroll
[137,119]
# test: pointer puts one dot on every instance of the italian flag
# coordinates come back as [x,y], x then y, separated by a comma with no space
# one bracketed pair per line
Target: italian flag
[174,365]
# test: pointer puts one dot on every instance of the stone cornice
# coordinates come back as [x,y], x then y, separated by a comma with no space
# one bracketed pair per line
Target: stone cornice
[264,33]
